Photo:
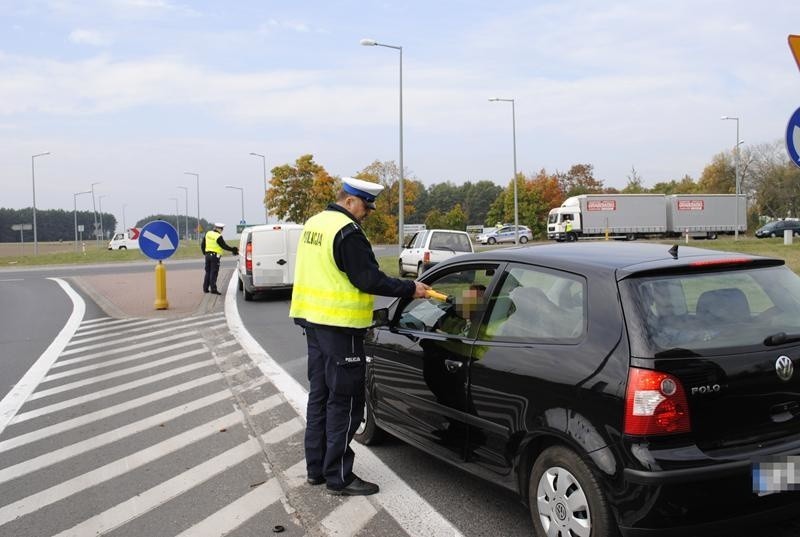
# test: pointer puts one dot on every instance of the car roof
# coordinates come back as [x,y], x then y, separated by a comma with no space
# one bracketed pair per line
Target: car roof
[622,258]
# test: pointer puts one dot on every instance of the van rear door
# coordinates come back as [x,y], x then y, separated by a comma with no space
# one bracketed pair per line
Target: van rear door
[274,254]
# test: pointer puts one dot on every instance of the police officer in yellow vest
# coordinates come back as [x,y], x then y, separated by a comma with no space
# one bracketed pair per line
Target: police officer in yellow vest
[212,246]
[336,276]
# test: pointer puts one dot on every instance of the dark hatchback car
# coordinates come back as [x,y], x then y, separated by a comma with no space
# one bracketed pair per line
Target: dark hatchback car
[612,386]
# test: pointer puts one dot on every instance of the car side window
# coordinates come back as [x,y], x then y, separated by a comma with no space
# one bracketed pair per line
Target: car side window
[537,304]
[462,310]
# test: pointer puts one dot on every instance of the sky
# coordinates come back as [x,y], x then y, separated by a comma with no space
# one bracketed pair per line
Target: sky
[132,94]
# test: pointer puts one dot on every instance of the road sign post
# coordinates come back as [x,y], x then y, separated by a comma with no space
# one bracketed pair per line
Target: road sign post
[158,240]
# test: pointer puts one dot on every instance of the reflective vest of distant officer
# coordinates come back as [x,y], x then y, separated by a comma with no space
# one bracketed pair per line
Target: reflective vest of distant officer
[212,245]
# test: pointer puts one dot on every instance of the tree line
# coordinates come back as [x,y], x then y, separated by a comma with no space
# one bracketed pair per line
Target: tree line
[52,225]
[768,179]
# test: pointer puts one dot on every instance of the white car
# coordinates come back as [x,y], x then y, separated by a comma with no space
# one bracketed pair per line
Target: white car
[505,234]
[431,246]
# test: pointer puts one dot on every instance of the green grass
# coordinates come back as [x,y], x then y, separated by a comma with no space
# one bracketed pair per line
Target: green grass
[64,254]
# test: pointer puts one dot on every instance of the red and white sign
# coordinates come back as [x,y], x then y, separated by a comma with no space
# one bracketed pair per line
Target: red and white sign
[691,205]
[134,233]
[601,205]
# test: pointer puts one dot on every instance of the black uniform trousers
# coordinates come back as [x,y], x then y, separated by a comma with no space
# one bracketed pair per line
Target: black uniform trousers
[336,368]
[212,269]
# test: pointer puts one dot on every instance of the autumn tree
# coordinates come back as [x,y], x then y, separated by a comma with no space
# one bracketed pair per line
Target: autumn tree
[684,186]
[579,180]
[382,225]
[634,185]
[719,177]
[300,191]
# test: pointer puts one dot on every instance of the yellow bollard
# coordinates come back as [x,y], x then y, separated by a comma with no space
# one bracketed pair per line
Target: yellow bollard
[161,287]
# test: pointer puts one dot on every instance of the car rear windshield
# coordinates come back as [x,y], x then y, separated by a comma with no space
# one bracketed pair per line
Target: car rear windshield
[710,312]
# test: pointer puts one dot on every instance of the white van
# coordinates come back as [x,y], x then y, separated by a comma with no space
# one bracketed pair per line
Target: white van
[125,241]
[267,255]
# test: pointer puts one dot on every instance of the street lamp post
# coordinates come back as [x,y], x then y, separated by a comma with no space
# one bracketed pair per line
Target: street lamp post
[100,205]
[177,217]
[75,213]
[264,163]
[94,211]
[514,136]
[186,221]
[197,177]
[736,159]
[124,226]
[401,202]
[241,192]
[33,184]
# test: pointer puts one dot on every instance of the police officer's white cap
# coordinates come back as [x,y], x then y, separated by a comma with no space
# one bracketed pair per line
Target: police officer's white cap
[219,225]
[365,190]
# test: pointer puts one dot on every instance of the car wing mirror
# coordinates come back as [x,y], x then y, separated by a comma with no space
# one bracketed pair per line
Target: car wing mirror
[380,317]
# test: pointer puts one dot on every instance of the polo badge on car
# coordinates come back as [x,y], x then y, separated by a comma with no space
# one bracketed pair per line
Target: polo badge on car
[784,367]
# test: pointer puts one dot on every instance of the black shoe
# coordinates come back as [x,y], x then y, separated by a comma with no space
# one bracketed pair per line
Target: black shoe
[215,292]
[205,290]
[315,480]
[357,487]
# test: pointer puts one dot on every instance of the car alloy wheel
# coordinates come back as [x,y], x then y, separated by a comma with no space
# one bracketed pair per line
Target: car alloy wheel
[565,498]
[491,240]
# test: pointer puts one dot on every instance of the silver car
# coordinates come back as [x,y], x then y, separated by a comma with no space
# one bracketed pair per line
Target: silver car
[505,234]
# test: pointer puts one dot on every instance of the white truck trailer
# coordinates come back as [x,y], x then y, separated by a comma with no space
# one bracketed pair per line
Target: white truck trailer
[632,216]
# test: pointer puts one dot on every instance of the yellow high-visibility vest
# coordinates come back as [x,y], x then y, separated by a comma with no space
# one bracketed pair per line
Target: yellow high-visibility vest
[211,243]
[322,293]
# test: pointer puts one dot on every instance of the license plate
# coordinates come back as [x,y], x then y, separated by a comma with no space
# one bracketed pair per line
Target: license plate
[776,474]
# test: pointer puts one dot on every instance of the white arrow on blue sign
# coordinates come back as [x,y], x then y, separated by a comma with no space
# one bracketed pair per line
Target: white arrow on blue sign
[793,137]
[158,239]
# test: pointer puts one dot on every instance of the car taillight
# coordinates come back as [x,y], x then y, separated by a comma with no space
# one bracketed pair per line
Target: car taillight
[248,257]
[655,404]
[426,257]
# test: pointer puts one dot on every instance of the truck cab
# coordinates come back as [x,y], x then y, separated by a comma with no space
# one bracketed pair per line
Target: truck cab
[557,223]
[128,240]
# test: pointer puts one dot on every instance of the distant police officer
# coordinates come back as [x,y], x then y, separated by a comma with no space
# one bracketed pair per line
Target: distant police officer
[336,276]
[212,246]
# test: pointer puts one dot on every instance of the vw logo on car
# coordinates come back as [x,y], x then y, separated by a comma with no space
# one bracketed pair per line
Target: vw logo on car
[784,367]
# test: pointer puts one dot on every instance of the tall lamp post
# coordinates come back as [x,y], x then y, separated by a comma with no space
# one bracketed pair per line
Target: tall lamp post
[186,221]
[401,209]
[124,225]
[241,192]
[264,163]
[94,210]
[75,213]
[177,217]
[100,205]
[514,137]
[736,159]
[197,177]
[33,184]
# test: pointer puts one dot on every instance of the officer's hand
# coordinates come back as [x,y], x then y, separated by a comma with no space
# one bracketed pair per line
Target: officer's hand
[235,251]
[419,292]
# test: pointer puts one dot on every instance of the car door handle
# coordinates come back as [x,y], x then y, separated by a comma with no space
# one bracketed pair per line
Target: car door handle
[452,365]
[281,261]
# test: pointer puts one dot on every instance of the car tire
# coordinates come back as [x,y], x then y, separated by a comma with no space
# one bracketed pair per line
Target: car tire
[523,239]
[565,498]
[123,247]
[772,235]
[491,240]
[368,432]
[248,296]
[241,285]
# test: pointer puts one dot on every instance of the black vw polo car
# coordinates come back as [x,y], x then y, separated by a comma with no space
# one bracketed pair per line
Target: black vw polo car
[614,387]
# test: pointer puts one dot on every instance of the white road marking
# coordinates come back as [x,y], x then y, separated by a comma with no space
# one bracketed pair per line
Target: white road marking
[237,513]
[110,391]
[283,431]
[350,517]
[415,515]
[129,324]
[120,361]
[150,499]
[265,404]
[114,435]
[135,338]
[85,419]
[114,469]
[114,350]
[14,399]
[117,374]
